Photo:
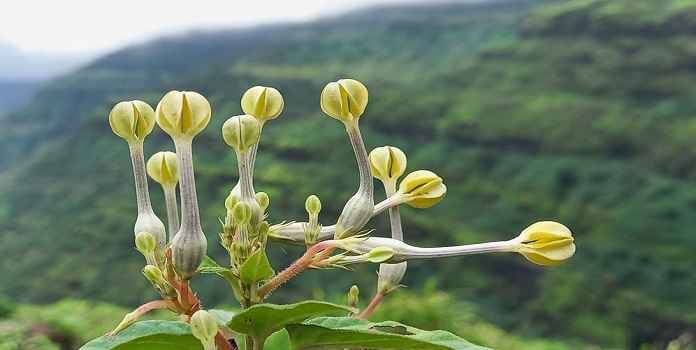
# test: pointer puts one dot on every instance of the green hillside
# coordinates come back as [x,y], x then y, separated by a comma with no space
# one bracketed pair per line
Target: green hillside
[580,112]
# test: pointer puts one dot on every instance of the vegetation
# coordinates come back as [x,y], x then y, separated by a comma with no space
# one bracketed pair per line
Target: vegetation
[576,111]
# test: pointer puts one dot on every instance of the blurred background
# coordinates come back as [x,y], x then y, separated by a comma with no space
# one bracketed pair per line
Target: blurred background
[577,111]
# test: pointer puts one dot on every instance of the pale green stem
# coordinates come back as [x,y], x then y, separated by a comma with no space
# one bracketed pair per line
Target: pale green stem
[142,194]
[172,210]
[190,217]
[245,162]
[366,185]
[405,252]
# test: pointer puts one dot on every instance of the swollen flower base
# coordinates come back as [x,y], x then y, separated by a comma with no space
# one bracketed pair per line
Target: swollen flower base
[172,260]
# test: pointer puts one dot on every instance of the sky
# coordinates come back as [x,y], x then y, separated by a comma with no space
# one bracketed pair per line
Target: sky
[94,27]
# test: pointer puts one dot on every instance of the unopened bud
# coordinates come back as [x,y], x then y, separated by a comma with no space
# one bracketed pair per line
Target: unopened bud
[263,200]
[162,167]
[422,189]
[313,205]
[241,132]
[146,244]
[156,277]
[264,103]
[183,114]
[344,100]
[204,327]
[132,120]
[545,243]
[354,296]
[387,163]
[241,213]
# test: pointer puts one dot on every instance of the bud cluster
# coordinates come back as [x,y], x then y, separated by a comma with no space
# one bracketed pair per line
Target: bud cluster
[172,261]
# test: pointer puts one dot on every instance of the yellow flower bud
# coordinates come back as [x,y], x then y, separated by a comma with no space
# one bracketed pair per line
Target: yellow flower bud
[422,189]
[132,120]
[387,163]
[183,114]
[262,199]
[264,103]
[162,167]
[241,132]
[204,327]
[545,243]
[344,100]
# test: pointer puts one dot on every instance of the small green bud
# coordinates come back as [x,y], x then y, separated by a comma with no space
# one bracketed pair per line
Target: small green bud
[153,273]
[204,327]
[241,213]
[264,103]
[344,100]
[162,167]
[313,205]
[231,200]
[387,163]
[146,244]
[241,132]
[354,296]
[262,199]
[379,254]
[545,243]
[132,120]
[422,189]
[188,250]
[183,114]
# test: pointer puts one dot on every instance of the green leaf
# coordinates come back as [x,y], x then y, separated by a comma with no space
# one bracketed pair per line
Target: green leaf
[261,320]
[256,268]
[149,335]
[342,332]
[210,266]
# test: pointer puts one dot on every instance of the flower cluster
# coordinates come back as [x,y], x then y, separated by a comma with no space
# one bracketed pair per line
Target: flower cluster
[173,259]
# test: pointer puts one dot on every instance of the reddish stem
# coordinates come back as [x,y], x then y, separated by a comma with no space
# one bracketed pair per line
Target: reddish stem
[373,304]
[321,250]
[222,343]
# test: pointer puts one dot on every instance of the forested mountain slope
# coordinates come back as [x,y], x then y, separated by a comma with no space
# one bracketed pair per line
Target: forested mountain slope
[576,111]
